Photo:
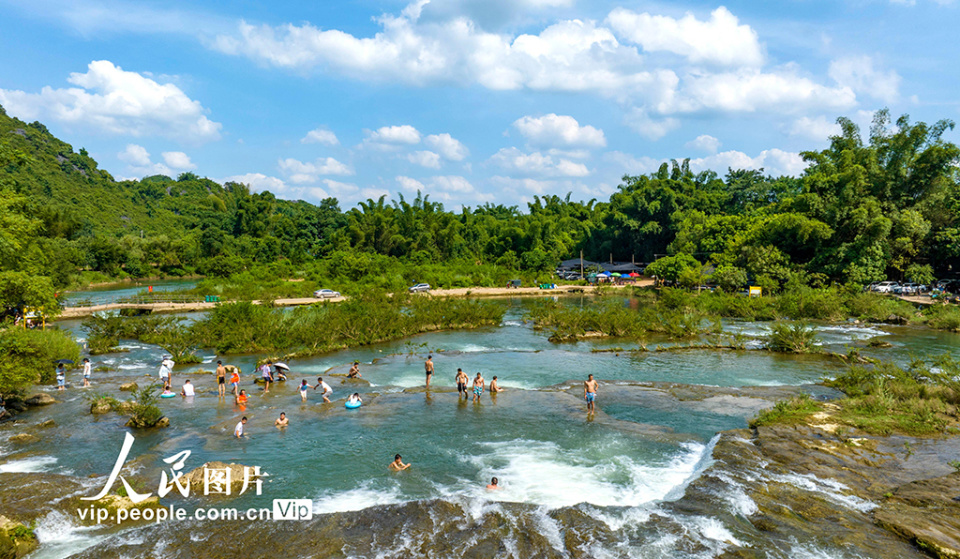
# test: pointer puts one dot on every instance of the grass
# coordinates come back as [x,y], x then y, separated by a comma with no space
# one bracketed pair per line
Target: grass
[787,412]
[792,337]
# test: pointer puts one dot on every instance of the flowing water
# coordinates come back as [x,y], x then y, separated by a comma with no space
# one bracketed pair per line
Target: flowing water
[632,456]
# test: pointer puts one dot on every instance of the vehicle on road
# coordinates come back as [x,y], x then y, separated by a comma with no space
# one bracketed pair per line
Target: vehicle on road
[326,294]
[909,288]
[885,286]
[420,288]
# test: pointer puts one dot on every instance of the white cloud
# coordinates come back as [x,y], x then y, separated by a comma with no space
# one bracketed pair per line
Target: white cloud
[859,74]
[404,134]
[427,159]
[720,40]
[116,101]
[301,173]
[751,90]
[537,163]
[320,136]
[134,155]
[178,160]
[139,163]
[452,183]
[633,165]
[817,129]
[774,162]
[448,146]
[559,130]
[258,182]
[640,121]
[412,185]
[704,142]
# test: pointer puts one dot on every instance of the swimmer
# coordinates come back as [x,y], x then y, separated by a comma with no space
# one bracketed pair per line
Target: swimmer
[477,387]
[282,421]
[303,390]
[494,387]
[221,379]
[354,370]
[462,381]
[238,431]
[242,398]
[327,391]
[494,485]
[187,389]
[428,365]
[397,465]
[355,399]
[590,393]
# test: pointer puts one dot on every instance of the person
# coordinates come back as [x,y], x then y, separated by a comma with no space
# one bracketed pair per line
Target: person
[166,370]
[428,365]
[281,373]
[354,399]
[282,421]
[477,387]
[327,391]
[221,379]
[242,399]
[187,389]
[267,377]
[493,485]
[354,370]
[494,387]
[235,380]
[238,430]
[397,465]
[86,372]
[462,381]
[304,385]
[61,377]
[590,392]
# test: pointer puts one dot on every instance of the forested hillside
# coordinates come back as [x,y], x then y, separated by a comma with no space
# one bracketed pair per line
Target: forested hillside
[865,209]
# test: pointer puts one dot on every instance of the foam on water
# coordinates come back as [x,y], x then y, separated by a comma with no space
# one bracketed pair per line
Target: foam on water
[28,465]
[831,489]
[60,537]
[360,498]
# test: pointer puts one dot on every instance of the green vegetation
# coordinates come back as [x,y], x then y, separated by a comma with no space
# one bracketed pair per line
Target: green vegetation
[143,409]
[792,337]
[787,412]
[613,317]
[923,399]
[29,356]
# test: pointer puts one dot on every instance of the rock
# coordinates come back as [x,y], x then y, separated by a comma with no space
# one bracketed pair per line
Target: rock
[924,513]
[125,407]
[100,406]
[164,422]
[48,423]
[354,381]
[237,471]
[16,405]
[129,387]
[24,438]
[113,503]
[895,319]
[16,539]
[40,399]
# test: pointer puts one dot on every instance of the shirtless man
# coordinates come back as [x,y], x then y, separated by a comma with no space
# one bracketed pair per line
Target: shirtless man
[494,387]
[397,465]
[462,381]
[221,378]
[428,365]
[354,370]
[282,421]
[477,387]
[590,393]
[493,485]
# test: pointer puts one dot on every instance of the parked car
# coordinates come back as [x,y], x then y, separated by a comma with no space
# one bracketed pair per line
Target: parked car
[885,286]
[420,288]
[326,294]
[909,289]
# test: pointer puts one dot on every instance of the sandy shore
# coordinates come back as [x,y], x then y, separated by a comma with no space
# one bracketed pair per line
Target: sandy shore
[77,312]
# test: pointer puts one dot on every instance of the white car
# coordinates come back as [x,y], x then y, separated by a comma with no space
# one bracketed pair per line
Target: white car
[420,288]
[326,294]
[885,286]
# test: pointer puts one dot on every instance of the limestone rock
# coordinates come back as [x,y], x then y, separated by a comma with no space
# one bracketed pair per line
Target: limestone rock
[16,539]
[100,406]
[48,423]
[40,399]
[164,422]
[24,438]
[925,513]
[129,387]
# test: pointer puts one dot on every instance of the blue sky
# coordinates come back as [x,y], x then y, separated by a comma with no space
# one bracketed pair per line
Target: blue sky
[469,101]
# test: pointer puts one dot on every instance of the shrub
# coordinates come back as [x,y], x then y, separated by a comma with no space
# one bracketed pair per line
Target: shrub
[792,337]
[28,356]
[787,412]
[144,412]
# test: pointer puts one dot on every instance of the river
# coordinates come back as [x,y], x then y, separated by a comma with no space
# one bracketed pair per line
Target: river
[635,454]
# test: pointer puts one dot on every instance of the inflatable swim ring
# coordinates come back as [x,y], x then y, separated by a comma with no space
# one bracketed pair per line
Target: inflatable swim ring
[352,406]
[167,395]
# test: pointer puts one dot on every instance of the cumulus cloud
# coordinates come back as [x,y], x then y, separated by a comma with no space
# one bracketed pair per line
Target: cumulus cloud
[448,146]
[704,142]
[301,173]
[817,129]
[390,137]
[134,155]
[774,162]
[750,90]
[110,99]
[139,163]
[425,158]
[537,163]
[178,160]
[320,136]
[448,188]
[559,130]
[719,40]
[859,74]
[409,184]
[258,182]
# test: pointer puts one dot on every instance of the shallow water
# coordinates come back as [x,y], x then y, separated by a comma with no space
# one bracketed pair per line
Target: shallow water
[535,436]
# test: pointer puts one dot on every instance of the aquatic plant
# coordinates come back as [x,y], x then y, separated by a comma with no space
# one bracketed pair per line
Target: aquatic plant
[792,337]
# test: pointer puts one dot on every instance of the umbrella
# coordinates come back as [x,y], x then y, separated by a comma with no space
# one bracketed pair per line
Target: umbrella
[616,274]
[281,366]
[65,361]
[634,275]
[605,274]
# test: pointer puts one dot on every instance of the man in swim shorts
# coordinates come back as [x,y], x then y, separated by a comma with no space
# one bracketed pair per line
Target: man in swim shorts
[590,393]
[221,378]
[428,365]
[477,387]
[494,387]
[462,381]
[397,465]
[354,370]
[493,485]
[282,421]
